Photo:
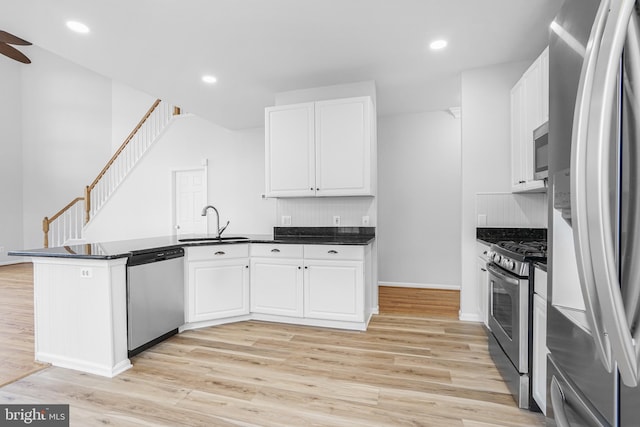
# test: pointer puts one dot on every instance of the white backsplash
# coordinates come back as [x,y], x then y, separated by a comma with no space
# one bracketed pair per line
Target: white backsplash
[319,211]
[511,210]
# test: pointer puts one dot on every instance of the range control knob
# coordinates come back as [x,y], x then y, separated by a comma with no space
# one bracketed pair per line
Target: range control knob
[496,258]
[510,265]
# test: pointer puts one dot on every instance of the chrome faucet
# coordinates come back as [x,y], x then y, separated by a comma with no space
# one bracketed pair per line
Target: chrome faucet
[219,230]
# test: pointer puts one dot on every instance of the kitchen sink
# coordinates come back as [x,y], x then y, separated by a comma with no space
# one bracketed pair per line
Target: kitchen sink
[213,239]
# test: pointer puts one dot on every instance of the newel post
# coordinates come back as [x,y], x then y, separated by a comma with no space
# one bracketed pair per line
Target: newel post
[45,228]
[87,203]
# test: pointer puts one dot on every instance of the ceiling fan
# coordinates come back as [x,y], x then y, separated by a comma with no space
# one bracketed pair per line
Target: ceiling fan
[7,39]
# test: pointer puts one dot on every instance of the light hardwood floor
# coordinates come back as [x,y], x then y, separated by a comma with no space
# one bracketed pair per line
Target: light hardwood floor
[419,302]
[16,323]
[405,370]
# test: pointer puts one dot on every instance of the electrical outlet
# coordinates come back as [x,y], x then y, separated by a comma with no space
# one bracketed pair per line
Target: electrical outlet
[286,220]
[2,252]
[336,220]
[365,221]
[86,273]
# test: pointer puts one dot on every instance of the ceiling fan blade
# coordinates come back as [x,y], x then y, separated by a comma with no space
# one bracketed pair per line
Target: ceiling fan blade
[11,39]
[13,53]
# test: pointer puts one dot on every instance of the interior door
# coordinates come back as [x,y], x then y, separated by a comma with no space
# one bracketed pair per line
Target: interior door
[189,197]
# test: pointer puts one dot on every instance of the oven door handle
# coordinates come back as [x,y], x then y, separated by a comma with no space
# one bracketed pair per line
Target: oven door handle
[503,276]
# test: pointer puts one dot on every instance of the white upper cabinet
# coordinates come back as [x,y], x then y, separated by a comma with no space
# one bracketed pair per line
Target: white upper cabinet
[544,66]
[343,147]
[290,151]
[323,148]
[529,110]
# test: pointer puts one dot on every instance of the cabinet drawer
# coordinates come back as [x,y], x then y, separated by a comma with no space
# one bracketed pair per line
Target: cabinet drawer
[276,250]
[340,252]
[216,252]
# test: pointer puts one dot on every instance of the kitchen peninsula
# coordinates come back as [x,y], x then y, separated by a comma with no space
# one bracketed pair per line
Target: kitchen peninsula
[308,276]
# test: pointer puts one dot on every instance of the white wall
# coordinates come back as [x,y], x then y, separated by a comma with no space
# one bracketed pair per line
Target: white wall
[486,158]
[527,210]
[10,159]
[319,211]
[66,130]
[419,200]
[142,205]
[348,90]
[128,106]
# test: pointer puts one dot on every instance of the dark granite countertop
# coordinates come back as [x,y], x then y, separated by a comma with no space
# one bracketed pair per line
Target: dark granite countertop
[491,235]
[284,235]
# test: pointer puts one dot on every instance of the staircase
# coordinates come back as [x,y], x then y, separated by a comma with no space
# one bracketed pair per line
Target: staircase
[65,227]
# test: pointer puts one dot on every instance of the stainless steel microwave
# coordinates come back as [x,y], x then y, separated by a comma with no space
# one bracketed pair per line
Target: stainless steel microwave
[541,152]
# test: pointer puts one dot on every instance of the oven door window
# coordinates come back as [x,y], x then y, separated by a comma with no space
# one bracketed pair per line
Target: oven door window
[502,307]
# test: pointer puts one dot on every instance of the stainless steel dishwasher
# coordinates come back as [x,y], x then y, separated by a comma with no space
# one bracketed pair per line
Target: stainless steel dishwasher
[155,297]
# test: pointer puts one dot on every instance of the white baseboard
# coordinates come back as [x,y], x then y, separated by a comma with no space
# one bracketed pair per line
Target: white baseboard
[421,285]
[16,260]
[83,365]
[470,317]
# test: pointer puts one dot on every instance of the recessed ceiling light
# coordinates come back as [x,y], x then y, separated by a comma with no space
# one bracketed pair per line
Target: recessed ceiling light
[438,44]
[77,27]
[209,79]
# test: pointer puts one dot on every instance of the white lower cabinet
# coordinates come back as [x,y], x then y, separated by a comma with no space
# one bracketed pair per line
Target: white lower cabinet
[218,282]
[309,282]
[539,364]
[482,282]
[334,290]
[276,287]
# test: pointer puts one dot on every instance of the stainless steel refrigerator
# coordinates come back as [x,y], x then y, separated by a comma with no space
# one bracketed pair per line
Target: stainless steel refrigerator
[593,305]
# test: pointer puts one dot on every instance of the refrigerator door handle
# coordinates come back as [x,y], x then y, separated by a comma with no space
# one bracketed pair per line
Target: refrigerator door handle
[578,187]
[561,398]
[599,221]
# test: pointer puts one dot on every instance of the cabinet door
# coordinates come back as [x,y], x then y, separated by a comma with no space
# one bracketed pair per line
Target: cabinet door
[517,134]
[544,69]
[343,147]
[482,283]
[334,290]
[276,287]
[539,363]
[218,289]
[533,116]
[290,151]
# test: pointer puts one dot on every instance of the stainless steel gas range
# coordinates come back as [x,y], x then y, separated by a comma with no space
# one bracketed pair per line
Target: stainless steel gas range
[510,269]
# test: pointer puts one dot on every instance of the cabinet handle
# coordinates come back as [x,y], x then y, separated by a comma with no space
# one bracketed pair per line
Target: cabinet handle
[332,252]
[521,182]
[305,267]
[299,267]
[246,266]
[219,253]
[317,189]
[311,188]
[483,270]
[275,251]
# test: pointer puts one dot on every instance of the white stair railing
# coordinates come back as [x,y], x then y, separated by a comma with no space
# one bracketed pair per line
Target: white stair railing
[67,224]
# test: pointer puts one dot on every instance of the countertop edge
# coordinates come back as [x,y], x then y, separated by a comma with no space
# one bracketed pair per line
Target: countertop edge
[38,253]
